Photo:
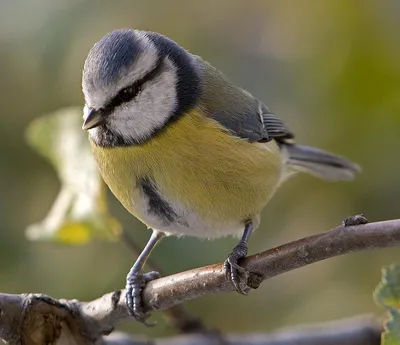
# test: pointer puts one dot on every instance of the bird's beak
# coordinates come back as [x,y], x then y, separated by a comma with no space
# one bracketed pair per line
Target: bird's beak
[93,119]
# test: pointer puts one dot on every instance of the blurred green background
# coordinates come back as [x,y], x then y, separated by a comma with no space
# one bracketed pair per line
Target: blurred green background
[329,68]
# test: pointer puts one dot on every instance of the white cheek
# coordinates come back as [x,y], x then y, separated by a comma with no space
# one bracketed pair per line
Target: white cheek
[138,119]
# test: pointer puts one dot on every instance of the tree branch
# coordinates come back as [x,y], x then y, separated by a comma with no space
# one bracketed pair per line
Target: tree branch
[38,319]
[168,291]
[91,320]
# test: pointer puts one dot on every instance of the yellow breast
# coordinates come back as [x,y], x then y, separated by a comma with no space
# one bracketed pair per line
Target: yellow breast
[197,164]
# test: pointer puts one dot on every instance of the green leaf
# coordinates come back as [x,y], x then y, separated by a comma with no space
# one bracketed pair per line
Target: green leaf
[387,295]
[80,211]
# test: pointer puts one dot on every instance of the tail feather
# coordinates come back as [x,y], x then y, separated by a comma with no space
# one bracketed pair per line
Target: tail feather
[320,163]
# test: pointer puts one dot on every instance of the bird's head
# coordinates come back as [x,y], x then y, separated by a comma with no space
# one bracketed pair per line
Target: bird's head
[135,83]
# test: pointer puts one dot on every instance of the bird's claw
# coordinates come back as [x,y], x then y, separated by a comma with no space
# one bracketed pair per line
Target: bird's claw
[134,287]
[234,273]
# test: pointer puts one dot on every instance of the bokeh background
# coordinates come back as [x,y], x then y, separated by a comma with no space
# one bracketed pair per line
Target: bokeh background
[329,68]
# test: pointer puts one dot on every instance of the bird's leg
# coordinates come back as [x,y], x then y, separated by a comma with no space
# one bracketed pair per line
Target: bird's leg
[136,281]
[233,272]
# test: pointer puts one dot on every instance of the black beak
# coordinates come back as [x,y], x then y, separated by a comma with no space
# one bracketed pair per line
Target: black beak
[94,119]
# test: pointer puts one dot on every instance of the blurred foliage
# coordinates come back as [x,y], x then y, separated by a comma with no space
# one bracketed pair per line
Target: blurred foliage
[80,211]
[387,295]
[328,68]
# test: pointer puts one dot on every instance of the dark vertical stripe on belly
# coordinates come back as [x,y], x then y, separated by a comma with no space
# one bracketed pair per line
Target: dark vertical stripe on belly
[157,205]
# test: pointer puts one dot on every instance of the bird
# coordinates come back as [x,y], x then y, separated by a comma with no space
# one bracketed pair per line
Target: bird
[185,150]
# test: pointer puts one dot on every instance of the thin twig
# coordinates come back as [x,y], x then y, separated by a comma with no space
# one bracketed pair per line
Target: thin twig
[361,330]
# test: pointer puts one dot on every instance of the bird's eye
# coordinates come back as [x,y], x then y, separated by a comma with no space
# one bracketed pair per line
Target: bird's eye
[129,93]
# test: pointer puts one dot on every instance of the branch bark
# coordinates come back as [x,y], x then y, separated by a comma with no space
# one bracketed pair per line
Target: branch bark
[38,319]
[168,291]
[89,321]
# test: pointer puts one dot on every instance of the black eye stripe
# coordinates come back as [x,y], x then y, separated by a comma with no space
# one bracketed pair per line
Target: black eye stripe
[136,87]
[129,93]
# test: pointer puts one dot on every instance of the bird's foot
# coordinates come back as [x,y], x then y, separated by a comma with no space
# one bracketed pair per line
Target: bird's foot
[234,273]
[135,283]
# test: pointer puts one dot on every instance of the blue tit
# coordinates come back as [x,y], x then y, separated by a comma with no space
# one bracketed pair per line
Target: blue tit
[185,150]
